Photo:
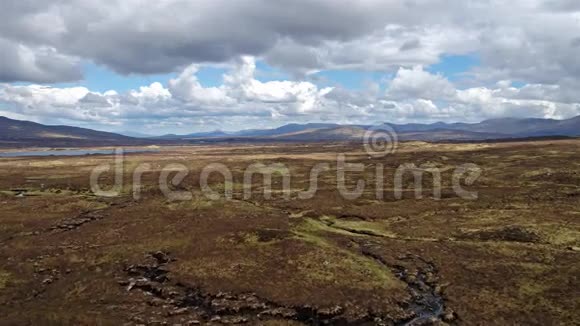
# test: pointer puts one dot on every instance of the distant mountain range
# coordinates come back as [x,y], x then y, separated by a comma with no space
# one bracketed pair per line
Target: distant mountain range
[16,133]
[488,129]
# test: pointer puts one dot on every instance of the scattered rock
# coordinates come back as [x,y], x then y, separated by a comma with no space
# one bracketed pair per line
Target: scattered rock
[130,285]
[154,273]
[234,320]
[156,302]
[161,257]
[77,221]
[449,315]
[137,319]
[332,311]
[177,312]
[285,313]
[123,282]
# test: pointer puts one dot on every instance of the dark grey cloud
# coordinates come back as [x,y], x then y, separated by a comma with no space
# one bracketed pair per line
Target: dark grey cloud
[410,45]
[137,36]
[40,65]
[530,53]
[93,98]
[562,5]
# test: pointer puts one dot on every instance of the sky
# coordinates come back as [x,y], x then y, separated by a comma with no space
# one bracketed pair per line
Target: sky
[183,66]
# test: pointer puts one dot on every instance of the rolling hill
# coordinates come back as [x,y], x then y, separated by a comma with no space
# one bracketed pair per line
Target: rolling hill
[27,133]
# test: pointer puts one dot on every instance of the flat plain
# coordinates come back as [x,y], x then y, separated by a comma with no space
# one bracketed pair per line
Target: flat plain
[511,256]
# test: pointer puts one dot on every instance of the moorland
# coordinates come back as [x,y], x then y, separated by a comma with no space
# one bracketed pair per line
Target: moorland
[509,256]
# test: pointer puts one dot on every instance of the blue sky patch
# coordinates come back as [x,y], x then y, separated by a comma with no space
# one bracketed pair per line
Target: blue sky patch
[454,66]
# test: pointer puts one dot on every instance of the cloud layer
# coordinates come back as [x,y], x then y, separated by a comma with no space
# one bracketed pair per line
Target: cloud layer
[533,43]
